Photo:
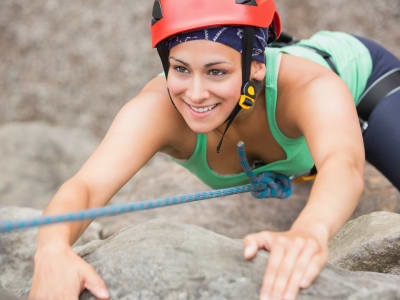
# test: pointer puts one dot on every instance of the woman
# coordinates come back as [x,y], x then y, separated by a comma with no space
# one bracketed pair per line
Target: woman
[291,112]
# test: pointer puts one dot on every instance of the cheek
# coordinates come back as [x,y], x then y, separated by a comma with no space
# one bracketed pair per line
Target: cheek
[175,85]
[229,90]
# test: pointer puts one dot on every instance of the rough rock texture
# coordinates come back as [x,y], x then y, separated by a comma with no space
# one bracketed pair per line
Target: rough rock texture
[73,63]
[17,250]
[375,20]
[369,243]
[37,159]
[6,296]
[161,259]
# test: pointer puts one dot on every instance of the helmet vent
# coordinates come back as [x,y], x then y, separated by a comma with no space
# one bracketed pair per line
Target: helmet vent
[157,12]
[247,2]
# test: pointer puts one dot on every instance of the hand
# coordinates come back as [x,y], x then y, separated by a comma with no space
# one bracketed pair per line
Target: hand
[296,258]
[62,274]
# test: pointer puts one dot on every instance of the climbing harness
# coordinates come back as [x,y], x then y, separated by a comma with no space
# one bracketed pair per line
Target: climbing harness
[383,86]
[265,185]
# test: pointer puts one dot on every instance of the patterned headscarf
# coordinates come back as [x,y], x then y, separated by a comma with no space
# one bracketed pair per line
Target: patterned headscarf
[228,35]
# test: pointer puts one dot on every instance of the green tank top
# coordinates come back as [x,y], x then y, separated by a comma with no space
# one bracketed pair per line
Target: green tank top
[354,64]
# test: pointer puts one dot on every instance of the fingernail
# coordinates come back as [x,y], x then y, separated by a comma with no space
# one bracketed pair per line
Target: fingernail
[103,293]
[264,297]
[304,284]
[248,252]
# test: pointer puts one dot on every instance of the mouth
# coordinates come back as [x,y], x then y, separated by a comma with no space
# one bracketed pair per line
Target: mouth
[202,109]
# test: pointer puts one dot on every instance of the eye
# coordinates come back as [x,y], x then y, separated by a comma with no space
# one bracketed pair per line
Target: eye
[216,72]
[181,69]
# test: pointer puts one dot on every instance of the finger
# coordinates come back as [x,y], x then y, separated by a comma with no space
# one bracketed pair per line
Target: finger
[250,250]
[253,242]
[274,261]
[313,269]
[95,284]
[285,271]
[309,250]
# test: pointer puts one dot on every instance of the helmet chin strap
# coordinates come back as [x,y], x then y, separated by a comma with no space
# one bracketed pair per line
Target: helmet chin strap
[162,49]
[250,88]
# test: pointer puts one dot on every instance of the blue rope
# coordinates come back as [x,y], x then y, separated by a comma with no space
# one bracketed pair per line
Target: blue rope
[265,185]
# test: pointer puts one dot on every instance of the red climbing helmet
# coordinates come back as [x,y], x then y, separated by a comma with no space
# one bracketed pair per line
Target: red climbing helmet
[174,16]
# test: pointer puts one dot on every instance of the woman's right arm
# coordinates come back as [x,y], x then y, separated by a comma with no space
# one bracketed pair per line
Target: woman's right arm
[144,126]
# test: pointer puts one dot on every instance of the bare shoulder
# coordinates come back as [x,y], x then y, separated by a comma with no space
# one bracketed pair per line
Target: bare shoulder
[319,106]
[308,90]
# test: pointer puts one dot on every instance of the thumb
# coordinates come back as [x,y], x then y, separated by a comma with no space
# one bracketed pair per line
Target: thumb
[250,247]
[95,284]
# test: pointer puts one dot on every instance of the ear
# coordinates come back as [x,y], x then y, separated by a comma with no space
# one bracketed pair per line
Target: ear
[257,70]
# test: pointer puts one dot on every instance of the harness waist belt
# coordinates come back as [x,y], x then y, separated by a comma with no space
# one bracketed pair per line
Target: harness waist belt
[382,87]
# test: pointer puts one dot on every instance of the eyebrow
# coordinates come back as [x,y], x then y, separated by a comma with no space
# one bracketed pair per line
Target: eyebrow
[206,65]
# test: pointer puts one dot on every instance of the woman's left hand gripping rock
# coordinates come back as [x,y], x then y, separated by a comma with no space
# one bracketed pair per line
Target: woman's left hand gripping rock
[296,258]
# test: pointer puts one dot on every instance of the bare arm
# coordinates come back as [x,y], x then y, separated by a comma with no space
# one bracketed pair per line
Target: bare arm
[324,112]
[144,126]
[330,126]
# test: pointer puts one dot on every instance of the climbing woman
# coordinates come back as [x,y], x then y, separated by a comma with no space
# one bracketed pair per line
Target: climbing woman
[294,107]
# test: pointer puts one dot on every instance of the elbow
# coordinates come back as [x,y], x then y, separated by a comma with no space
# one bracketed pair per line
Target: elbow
[349,172]
[354,172]
[356,167]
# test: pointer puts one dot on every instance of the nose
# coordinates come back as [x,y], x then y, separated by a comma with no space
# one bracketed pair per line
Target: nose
[197,90]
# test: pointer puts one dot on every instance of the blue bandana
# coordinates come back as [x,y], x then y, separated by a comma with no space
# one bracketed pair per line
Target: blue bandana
[227,35]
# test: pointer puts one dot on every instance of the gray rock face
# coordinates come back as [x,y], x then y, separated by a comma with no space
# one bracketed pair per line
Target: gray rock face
[6,296]
[369,243]
[37,158]
[163,260]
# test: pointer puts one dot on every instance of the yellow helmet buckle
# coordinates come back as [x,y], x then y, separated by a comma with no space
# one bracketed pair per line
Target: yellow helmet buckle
[247,99]
[246,102]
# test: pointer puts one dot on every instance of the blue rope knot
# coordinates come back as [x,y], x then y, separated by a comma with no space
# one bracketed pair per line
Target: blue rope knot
[271,184]
[267,184]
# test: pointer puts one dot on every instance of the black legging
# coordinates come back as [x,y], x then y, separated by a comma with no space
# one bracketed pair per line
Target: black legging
[382,137]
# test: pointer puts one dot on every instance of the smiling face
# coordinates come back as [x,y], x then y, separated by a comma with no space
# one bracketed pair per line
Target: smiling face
[204,80]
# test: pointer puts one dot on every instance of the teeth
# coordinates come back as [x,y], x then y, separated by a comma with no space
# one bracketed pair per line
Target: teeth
[203,109]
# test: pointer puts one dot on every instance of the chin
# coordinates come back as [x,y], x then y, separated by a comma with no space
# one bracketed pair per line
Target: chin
[201,128]
[204,128]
